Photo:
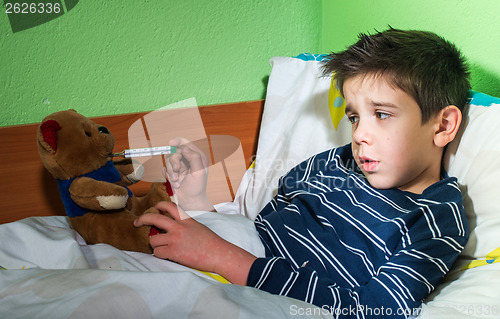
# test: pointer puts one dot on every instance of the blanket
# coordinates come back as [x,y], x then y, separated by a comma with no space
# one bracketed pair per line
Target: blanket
[48,271]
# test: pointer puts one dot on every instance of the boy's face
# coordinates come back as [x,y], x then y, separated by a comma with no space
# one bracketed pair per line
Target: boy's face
[389,142]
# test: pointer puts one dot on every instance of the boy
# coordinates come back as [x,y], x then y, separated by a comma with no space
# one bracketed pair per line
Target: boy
[364,230]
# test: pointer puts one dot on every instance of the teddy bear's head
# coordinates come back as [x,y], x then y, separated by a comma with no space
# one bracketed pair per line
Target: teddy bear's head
[71,145]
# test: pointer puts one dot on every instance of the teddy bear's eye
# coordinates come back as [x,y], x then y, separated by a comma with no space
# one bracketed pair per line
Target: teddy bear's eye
[103,129]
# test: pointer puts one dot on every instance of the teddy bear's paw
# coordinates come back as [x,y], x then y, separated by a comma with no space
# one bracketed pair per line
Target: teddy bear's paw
[163,191]
[138,172]
[112,201]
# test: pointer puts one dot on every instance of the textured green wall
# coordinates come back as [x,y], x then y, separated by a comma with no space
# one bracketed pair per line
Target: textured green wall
[473,25]
[116,56]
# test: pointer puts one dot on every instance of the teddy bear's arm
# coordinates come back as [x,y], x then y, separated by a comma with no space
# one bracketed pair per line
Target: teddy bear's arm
[130,170]
[98,195]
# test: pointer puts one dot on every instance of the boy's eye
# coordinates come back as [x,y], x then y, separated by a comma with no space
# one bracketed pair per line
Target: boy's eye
[353,119]
[382,115]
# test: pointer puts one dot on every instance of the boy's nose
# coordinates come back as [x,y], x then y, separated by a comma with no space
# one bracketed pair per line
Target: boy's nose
[362,133]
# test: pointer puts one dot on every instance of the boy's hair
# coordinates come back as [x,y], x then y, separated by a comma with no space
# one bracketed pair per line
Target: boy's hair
[422,64]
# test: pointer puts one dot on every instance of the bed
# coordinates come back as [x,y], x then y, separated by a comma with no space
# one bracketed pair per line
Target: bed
[48,271]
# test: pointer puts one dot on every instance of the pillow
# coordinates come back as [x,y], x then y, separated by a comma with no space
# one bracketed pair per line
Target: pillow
[303,115]
[470,290]
[474,158]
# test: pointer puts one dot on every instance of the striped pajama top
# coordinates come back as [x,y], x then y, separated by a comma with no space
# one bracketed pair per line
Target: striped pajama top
[334,241]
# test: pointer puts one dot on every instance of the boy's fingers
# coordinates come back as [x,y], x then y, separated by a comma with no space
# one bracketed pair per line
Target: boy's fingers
[184,142]
[158,220]
[158,241]
[160,251]
[195,159]
[191,152]
[175,161]
[193,147]
[169,171]
[173,210]
[176,141]
[169,208]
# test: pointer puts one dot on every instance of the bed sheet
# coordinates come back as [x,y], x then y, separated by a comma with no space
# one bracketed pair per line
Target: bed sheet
[466,293]
[49,272]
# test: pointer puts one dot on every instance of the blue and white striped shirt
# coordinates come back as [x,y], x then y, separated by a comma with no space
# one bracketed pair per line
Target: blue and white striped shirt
[334,241]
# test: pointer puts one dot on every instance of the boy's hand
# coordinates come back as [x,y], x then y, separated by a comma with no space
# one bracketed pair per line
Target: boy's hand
[194,245]
[185,241]
[187,172]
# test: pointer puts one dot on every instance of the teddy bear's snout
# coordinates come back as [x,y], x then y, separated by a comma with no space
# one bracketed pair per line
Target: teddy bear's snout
[103,129]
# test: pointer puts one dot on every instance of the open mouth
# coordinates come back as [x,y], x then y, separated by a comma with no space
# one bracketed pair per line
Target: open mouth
[369,165]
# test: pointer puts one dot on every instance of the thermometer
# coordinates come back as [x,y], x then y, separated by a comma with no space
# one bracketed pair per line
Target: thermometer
[146,151]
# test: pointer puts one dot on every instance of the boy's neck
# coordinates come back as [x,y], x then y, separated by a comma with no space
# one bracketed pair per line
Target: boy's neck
[427,178]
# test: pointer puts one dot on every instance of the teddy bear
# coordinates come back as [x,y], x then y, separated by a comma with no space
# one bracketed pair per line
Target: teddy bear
[92,183]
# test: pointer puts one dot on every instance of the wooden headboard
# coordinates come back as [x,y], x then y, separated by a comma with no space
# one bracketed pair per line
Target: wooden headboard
[27,189]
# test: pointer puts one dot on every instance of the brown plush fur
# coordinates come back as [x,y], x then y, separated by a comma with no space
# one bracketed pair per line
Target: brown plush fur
[81,146]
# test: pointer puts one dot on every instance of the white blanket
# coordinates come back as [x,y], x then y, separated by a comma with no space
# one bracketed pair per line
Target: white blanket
[49,272]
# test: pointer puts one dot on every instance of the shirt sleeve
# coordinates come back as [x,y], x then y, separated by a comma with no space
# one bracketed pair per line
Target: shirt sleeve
[395,291]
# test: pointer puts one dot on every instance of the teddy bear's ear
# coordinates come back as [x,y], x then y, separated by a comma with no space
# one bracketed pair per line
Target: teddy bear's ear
[48,130]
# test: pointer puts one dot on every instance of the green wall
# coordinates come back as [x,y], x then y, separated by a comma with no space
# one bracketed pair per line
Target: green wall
[473,25]
[116,56]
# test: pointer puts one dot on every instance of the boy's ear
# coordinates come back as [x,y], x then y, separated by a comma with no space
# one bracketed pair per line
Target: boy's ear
[447,125]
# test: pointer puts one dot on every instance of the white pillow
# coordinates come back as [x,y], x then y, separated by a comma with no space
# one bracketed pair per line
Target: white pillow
[470,290]
[296,124]
[474,158]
